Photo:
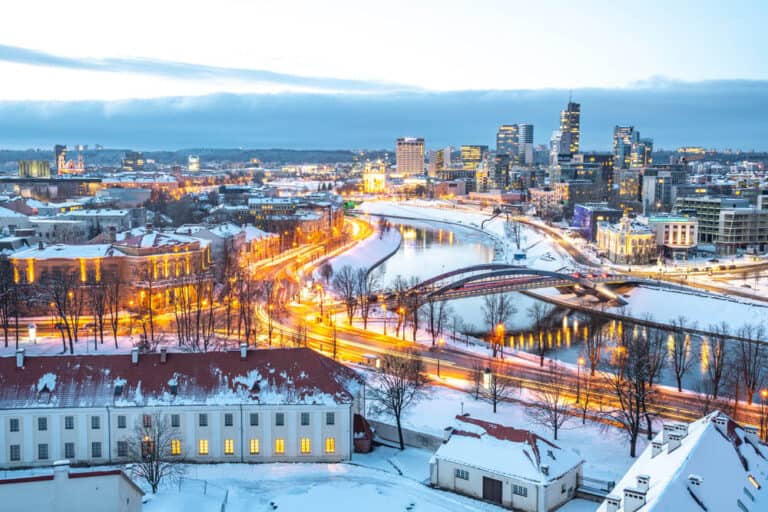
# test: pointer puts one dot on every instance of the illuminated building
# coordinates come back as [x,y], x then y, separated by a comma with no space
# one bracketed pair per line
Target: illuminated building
[623,138]
[707,211]
[34,169]
[525,150]
[570,129]
[586,216]
[554,147]
[676,235]
[642,153]
[375,177]
[193,163]
[507,140]
[627,242]
[471,156]
[409,156]
[133,161]
[659,184]
[60,156]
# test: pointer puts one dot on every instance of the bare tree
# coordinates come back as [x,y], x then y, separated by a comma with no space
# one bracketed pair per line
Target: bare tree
[680,355]
[247,292]
[99,309]
[326,272]
[539,312]
[400,290]
[267,291]
[194,314]
[67,296]
[345,284]
[476,379]
[594,344]
[496,387]
[114,289]
[436,314]
[9,298]
[366,285]
[414,301]
[152,451]
[751,358]
[399,383]
[551,407]
[717,357]
[497,310]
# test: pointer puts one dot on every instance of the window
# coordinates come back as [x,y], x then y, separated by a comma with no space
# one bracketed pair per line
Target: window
[279,445]
[146,420]
[330,418]
[14,425]
[175,421]
[279,419]
[520,490]
[254,446]
[42,424]
[42,451]
[462,474]
[228,419]
[15,452]
[96,450]
[202,447]
[203,420]
[304,419]
[69,450]
[175,446]
[254,419]
[69,422]
[95,422]
[122,448]
[330,445]
[121,422]
[229,446]
[306,445]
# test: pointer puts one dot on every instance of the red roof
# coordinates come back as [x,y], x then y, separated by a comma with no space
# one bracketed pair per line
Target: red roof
[297,375]
[505,433]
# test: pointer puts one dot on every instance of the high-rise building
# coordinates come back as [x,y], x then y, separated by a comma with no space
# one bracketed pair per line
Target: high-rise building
[471,156]
[60,157]
[642,153]
[439,160]
[554,147]
[507,140]
[570,120]
[133,161]
[409,156]
[623,138]
[526,133]
[34,169]
[193,163]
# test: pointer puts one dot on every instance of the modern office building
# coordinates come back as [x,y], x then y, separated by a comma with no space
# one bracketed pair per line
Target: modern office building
[133,161]
[34,169]
[471,156]
[570,128]
[507,140]
[586,217]
[642,153]
[742,229]
[525,149]
[623,138]
[707,211]
[409,156]
[658,187]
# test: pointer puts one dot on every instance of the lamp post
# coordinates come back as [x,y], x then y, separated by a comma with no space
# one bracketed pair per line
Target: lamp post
[579,363]
[500,338]
[130,318]
[763,396]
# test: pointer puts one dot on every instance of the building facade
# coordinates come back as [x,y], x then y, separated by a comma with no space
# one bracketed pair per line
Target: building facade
[676,235]
[570,129]
[627,242]
[409,156]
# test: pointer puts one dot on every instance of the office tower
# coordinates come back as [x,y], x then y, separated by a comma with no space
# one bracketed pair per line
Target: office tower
[409,156]
[525,150]
[34,169]
[60,157]
[439,160]
[555,142]
[570,120]
[526,133]
[642,151]
[193,163]
[501,165]
[471,156]
[507,140]
[623,138]
[133,161]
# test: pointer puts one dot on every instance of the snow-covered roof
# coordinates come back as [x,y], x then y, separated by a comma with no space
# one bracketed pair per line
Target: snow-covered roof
[157,239]
[6,212]
[254,233]
[725,463]
[506,451]
[66,251]
[279,376]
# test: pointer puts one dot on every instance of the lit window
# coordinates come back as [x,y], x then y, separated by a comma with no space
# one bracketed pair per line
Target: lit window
[202,447]
[254,446]
[330,445]
[279,446]
[175,446]
[306,445]
[229,446]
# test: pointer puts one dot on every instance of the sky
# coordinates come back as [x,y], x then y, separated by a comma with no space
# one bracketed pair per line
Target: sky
[91,58]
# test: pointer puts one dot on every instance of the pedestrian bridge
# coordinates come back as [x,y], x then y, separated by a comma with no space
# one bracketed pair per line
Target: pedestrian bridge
[492,278]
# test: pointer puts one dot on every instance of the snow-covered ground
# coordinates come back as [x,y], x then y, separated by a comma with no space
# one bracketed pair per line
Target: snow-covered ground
[369,252]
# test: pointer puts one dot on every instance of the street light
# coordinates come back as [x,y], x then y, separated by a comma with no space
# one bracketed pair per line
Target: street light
[579,363]
[763,396]
[500,336]
[401,310]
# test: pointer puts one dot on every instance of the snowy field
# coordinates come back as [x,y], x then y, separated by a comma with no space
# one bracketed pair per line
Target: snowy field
[369,252]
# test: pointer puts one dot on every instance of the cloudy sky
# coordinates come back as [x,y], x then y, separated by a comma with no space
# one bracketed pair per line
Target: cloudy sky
[112,52]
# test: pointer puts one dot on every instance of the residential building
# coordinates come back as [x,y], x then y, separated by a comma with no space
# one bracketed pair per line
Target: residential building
[449,189]
[508,140]
[642,153]
[742,229]
[623,138]
[133,161]
[707,210]
[34,169]
[280,405]
[676,235]
[409,156]
[65,490]
[586,217]
[711,464]
[658,186]
[627,242]
[570,129]
[513,468]
[548,202]
[471,156]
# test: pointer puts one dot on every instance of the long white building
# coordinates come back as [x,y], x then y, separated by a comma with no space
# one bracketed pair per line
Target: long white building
[282,405]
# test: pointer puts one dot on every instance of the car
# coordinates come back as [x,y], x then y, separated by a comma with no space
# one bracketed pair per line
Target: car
[731,267]
[714,260]
[722,267]
[745,285]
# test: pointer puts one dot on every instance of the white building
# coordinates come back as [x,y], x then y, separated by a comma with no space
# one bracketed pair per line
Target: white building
[69,491]
[712,464]
[286,405]
[514,468]
[676,235]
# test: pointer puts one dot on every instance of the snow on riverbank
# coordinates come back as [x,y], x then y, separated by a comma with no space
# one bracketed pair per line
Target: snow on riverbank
[370,252]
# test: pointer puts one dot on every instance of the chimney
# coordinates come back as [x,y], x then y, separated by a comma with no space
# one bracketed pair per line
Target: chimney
[721,420]
[695,480]
[674,442]
[60,469]
[633,500]
[682,429]
[40,245]
[545,469]
[243,351]
[669,428]
[612,503]
[447,431]
[135,356]
[642,483]
[163,355]
[656,447]
[20,358]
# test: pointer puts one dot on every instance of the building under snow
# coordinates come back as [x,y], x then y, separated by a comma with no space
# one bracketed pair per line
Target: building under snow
[514,468]
[286,405]
[712,464]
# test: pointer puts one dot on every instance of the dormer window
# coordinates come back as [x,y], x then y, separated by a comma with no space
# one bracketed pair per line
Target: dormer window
[44,396]
[118,390]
